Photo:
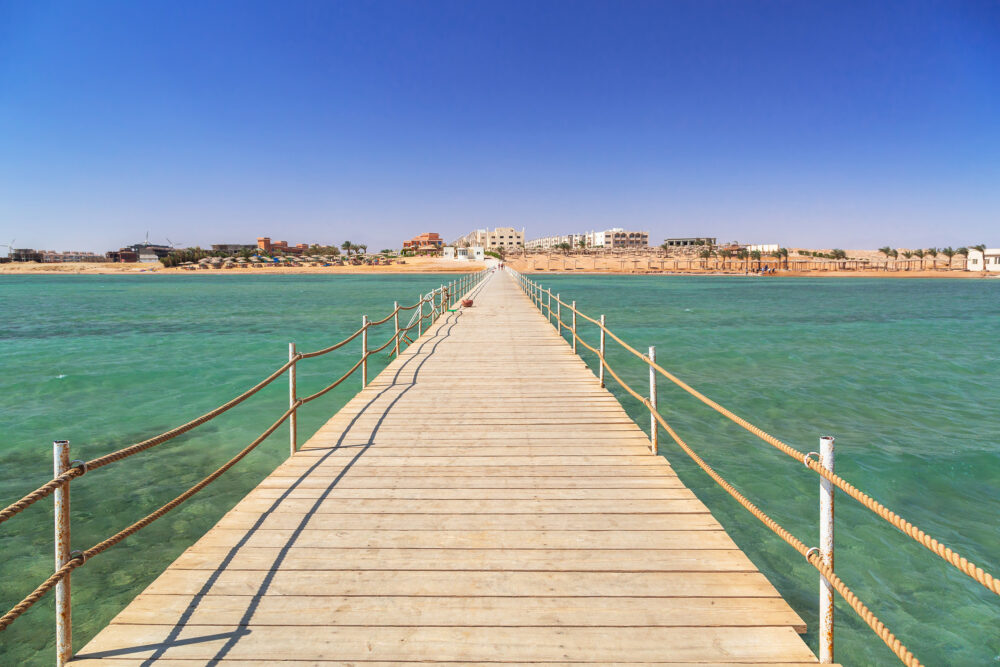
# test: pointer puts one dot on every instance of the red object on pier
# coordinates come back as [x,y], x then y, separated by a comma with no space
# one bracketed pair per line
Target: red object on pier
[466,303]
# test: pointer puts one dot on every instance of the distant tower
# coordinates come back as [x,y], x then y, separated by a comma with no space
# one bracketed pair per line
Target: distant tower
[264,243]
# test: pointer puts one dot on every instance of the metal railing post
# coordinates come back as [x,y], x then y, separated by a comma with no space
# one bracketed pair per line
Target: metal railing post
[548,315]
[364,351]
[558,314]
[654,431]
[574,327]
[395,321]
[292,419]
[826,552]
[420,317]
[64,611]
[440,309]
[600,375]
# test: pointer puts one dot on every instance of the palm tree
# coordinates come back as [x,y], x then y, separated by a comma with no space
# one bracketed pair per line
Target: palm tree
[920,254]
[347,247]
[755,255]
[948,252]
[964,252]
[744,254]
[705,253]
[888,252]
[907,254]
[582,244]
[362,247]
[932,253]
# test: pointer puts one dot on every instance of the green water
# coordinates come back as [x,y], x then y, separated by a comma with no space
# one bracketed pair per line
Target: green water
[903,372]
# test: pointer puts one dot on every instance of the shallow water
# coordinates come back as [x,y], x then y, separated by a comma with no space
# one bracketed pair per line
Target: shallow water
[903,372]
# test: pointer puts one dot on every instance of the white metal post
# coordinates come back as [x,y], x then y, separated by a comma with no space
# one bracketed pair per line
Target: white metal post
[292,420]
[559,314]
[574,327]
[395,321]
[826,552]
[364,351]
[441,302]
[601,370]
[654,430]
[420,317]
[64,612]
[548,315]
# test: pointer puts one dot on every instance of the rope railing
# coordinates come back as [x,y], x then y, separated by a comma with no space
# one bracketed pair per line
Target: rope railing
[814,556]
[71,562]
[947,554]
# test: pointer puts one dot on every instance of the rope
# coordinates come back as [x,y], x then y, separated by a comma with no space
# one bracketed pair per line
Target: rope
[343,377]
[335,346]
[71,565]
[50,486]
[958,561]
[897,647]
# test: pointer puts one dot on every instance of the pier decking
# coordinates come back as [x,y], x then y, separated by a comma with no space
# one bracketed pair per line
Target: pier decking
[483,500]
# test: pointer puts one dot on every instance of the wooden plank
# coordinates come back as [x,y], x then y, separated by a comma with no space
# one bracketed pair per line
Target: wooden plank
[592,645]
[483,500]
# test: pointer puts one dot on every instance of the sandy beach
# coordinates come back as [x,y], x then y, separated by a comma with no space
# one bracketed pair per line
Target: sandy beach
[412,265]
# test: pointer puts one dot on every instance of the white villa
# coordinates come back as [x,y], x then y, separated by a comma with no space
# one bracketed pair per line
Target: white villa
[474,253]
[979,262]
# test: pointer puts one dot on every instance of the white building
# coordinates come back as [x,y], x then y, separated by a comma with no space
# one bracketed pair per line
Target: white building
[615,237]
[507,238]
[474,253]
[979,262]
[763,247]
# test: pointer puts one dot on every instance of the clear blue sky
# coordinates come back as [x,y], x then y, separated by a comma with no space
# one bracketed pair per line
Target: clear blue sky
[830,124]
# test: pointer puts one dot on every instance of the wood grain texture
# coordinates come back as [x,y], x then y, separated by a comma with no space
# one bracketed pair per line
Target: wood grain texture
[483,500]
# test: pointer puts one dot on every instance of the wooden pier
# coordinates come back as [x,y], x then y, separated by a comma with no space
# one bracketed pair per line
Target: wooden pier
[482,500]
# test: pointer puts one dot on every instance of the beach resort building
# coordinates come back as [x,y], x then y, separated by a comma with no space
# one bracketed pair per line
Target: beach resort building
[507,238]
[763,247]
[472,253]
[264,244]
[53,257]
[428,243]
[690,241]
[613,238]
[980,261]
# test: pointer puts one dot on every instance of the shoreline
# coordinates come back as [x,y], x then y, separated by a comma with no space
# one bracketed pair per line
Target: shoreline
[446,267]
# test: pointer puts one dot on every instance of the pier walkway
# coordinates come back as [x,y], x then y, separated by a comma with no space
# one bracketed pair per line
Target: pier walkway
[482,500]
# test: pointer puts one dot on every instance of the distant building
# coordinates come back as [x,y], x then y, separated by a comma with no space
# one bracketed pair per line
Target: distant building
[979,261]
[25,255]
[428,243]
[53,257]
[147,256]
[124,255]
[507,238]
[158,250]
[472,253]
[234,248]
[264,243]
[692,241]
[547,242]
[763,247]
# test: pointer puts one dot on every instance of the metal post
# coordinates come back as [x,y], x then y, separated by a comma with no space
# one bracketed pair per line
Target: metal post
[826,552]
[441,302]
[601,370]
[574,327]
[559,314]
[420,318]
[395,321]
[292,420]
[364,351]
[548,315]
[654,429]
[64,612]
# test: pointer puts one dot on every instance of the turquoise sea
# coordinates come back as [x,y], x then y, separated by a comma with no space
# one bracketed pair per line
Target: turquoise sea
[903,372]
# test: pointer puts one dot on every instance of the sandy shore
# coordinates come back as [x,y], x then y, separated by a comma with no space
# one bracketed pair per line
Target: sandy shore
[412,265]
